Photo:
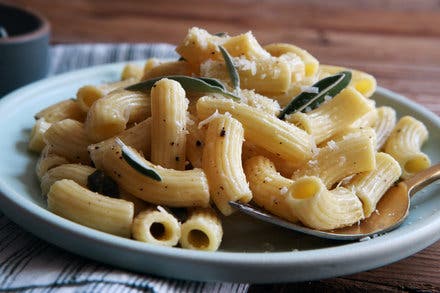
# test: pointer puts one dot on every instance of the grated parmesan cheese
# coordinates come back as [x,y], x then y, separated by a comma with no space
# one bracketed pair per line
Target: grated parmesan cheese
[245,65]
[345,181]
[332,145]
[207,68]
[310,89]
[161,209]
[268,179]
[327,98]
[209,119]
[212,117]
[284,190]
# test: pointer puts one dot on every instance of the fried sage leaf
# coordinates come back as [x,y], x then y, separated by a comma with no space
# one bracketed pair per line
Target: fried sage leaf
[221,34]
[101,183]
[136,161]
[232,70]
[327,87]
[190,84]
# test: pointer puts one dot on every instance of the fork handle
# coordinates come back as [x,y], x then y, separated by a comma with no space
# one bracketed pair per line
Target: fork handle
[423,179]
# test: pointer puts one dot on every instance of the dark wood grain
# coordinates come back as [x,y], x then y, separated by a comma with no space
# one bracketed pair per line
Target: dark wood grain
[397,41]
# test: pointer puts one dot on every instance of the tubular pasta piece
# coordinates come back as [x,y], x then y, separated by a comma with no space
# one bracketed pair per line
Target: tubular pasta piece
[36,140]
[404,144]
[202,230]
[333,116]
[318,208]
[310,62]
[68,139]
[48,160]
[177,188]
[138,137]
[70,200]
[156,226]
[371,186]
[268,187]
[265,76]
[221,162]
[89,94]
[386,120]
[76,172]
[132,71]
[168,68]
[340,159]
[267,131]
[67,109]
[168,124]
[361,81]
[109,115]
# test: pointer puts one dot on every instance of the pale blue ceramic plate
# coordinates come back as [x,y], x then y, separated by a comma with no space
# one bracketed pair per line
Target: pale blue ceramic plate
[251,251]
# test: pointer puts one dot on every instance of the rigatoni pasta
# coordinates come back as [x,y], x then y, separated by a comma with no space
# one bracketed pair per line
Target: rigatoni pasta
[177,189]
[333,116]
[371,186]
[283,139]
[269,188]
[110,114]
[168,124]
[202,230]
[36,140]
[340,159]
[322,209]
[72,201]
[156,226]
[221,162]
[67,109]
[76,172]
[68,139]
[404,144]
[89,94]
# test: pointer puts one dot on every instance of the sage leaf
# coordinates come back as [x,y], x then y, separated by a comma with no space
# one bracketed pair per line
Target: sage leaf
[233,73]
[329,86]
[101,183]
[213,82]
[221,34]
[136,162]
[190,84]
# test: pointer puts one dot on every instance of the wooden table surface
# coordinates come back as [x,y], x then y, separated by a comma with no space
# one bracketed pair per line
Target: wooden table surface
[397,41]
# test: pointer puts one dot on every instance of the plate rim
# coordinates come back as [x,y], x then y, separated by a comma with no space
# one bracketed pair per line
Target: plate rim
[386,244]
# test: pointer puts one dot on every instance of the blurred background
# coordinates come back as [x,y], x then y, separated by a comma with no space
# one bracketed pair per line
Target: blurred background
[397,41]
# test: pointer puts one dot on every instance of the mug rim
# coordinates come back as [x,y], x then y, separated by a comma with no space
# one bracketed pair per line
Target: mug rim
[42,30]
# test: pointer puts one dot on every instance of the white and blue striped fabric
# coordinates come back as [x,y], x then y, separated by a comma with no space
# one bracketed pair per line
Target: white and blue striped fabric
[28,264]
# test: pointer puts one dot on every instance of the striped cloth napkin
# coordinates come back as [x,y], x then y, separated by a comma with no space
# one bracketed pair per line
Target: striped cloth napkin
[28,264]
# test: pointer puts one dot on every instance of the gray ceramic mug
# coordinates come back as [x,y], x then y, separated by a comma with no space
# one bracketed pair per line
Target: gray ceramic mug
[24,47]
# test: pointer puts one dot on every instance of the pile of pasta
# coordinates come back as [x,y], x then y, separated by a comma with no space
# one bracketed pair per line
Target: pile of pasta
[326,167]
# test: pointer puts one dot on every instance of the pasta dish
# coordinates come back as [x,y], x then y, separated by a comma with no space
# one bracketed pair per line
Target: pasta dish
[158,155]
